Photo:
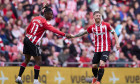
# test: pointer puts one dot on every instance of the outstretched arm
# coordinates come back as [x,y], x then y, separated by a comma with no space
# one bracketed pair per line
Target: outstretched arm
[80,34]
[49,27]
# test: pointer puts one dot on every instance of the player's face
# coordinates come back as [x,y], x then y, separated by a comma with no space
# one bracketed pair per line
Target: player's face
[97,17]
[49,15]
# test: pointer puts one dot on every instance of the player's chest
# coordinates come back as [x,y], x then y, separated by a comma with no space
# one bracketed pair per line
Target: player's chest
[99,30]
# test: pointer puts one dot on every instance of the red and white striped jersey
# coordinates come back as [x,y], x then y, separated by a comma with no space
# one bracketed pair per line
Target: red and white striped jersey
[101,36]
[37,29]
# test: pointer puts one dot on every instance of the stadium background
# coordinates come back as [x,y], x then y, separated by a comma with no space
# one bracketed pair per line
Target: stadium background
[71,16]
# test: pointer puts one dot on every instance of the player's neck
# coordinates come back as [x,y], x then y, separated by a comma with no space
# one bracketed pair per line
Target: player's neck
[98,23]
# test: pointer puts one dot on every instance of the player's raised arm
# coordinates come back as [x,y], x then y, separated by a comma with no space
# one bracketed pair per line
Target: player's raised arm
[116,37]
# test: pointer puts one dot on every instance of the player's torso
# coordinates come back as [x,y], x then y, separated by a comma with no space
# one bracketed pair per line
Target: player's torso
[35,30]
[101,37]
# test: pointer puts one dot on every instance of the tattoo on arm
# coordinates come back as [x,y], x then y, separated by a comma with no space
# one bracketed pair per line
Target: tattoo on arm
[81,34]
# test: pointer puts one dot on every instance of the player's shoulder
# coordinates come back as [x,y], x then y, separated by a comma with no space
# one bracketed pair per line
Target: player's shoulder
[105,23]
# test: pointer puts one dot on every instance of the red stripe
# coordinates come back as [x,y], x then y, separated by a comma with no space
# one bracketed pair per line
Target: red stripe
[95,38]
[104,40]
[108,39]
[37,67]
[99,37]
[24,64]
[95,42]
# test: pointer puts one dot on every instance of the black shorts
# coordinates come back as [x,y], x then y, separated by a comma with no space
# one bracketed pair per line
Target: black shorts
[100,56]
[30,48]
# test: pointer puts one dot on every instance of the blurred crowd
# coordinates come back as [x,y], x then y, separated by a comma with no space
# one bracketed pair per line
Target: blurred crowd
[71,16]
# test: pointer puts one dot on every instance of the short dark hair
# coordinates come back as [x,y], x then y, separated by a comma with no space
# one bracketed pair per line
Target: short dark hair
[96,12]
[46,9]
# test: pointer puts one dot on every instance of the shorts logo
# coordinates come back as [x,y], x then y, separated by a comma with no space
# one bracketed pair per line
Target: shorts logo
[105,56]
[39,49]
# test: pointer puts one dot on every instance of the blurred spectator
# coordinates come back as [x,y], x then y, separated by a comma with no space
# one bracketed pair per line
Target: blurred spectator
[120,27]
[131,13]
[3,37]
[122,59]
[136,50]
[64,55]
[65,23]
[18,59]
[72,59]
[123,12]
[2,58]
[112,59]
[8,10]
[137,21]
[127,50]
[19,10]
[16,32]
[49,61]
[84,59]
[133,39]
[74,47]
[8,33]
[130,27]
[137,8]
[45,53]
[2,23]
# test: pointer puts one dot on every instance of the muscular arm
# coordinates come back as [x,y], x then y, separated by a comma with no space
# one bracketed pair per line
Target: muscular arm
[116,38]
[81,34]
[115,35]
[51,28]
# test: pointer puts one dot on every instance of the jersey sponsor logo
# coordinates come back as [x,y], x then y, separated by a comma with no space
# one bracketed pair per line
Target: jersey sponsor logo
[39,50]
[105,56]
[99,33]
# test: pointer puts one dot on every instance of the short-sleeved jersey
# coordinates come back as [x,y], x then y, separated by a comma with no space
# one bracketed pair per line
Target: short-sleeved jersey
[37,29]
[101,36]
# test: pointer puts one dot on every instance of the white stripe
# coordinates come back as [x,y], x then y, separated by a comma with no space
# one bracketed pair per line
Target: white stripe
[92,29]
[40,38]
[106,38]
[97,39]
[30,36]
[94,41]
[34,39]
[33,27]
[36,29]
[101,38]
[93,36]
